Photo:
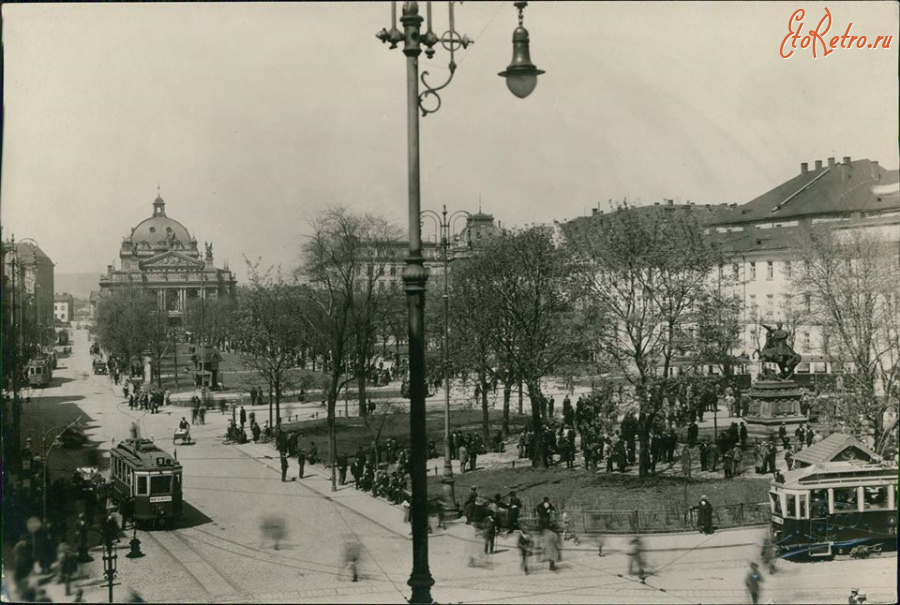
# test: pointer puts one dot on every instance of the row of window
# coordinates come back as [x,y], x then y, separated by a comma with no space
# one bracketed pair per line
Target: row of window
[769,266]
[138,482]
[818,503]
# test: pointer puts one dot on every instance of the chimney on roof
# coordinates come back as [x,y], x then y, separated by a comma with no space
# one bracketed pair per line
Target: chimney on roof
[846,160]
[818,165]
[831,162]
[656,203]
[804,167]
[670,202]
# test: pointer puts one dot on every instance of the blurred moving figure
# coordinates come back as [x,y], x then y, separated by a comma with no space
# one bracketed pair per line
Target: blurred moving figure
[273,529]
[636,557]
[351,559]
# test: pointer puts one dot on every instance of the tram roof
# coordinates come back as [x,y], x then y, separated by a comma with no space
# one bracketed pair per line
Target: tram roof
[145,454]
[852,472]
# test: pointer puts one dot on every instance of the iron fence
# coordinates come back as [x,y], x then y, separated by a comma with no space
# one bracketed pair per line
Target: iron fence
[660,520]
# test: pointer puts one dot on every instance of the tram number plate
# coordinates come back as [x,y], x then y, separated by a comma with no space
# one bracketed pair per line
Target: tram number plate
[777,520]
[160,498]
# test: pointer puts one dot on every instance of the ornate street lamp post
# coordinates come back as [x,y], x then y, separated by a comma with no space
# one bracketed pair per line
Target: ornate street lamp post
[415,275]
[445,224]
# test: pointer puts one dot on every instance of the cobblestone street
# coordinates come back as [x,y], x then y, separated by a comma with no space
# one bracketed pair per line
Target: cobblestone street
[220,554]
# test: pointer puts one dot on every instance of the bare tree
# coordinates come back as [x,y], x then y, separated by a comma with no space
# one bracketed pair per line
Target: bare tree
[128,324]
[850,278]
[268,324]
[640,272]
[344,263]
[476,317]
[717,328]
[525,277]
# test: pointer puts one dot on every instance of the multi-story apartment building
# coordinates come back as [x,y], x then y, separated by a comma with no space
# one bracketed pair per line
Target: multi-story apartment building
[29,271]
[762,240]
[64,307]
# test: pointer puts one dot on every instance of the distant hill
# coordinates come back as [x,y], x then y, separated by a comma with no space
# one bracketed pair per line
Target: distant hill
[78,285]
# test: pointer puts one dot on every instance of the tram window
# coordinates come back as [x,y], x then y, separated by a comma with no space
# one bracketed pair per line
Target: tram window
[141,486]
[776,503]
[844,499]
[160,485]
[802,499]
[790,507]
[876,497]
[818,503]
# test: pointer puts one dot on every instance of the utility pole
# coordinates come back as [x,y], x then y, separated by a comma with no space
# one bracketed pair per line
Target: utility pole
[17,403]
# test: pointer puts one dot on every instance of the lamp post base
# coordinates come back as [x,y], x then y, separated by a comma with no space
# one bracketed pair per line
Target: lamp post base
[448,499]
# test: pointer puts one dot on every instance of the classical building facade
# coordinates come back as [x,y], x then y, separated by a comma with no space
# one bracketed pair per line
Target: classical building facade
[162,256]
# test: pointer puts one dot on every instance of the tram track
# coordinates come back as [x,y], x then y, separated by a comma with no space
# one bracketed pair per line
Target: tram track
[197,566]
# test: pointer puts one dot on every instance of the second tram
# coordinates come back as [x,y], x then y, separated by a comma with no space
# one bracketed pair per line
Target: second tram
[830,508]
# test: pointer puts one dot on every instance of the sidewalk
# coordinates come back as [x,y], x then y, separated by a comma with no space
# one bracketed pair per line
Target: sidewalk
[391,517]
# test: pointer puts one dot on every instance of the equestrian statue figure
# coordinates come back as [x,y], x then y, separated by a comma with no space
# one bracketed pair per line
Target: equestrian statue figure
[778,351]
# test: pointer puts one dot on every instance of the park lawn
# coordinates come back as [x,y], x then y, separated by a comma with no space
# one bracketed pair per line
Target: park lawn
[354,431]
[577,490]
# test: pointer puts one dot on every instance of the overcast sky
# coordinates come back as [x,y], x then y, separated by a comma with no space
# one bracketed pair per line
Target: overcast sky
[253,118]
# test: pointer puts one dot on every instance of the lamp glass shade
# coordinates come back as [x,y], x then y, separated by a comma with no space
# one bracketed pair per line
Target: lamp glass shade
[520,83]
[521,75]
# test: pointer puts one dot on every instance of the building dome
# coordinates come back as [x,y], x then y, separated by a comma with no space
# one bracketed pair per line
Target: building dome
[160,230]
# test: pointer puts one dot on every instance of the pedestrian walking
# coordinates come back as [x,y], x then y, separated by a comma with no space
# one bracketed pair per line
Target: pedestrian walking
[243,416]
[490,532]
[203,415]
[351,557]
[550,547]
[752,582]
[636,557]
[284,467]
[524,544]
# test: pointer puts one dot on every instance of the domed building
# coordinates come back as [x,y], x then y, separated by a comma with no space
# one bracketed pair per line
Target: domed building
[161,255]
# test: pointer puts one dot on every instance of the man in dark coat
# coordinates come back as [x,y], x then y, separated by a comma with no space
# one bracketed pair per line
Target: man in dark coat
[514,505]
[704,515]
[342,469]
[692,432]
[284,467]
[469,506]
[545,513]
[490,532]
[743,435]
[243,416]
[301,462]
[782,435]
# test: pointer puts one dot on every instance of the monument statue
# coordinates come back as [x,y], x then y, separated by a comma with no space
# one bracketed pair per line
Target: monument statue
[778,351]
[208,249]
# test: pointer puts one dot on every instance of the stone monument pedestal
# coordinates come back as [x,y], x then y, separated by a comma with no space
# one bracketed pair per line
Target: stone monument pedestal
[771,403]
